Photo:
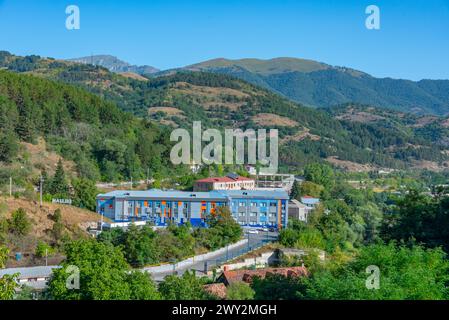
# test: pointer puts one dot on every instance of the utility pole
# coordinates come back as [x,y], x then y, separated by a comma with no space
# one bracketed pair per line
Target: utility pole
[131,182]
[41,185]
[46,257]
[10,187]
[148,175]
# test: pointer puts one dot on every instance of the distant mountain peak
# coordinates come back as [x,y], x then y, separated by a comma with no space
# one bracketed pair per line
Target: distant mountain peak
[114,64]
[264,66]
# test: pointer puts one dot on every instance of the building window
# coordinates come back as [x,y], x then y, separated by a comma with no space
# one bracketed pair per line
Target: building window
[253,204]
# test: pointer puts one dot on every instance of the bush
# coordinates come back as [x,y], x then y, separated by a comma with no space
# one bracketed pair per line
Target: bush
[186,287]
[239,291]
[19,224]
[43,250]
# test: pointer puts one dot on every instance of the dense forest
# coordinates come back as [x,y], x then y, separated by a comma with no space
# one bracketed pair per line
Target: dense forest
[104,142]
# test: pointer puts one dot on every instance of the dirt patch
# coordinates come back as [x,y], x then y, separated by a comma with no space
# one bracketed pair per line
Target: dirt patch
[360,116]
[211,97]
[40,158]
[430,165]
[269,119]
[299,136]
[72,217]
[167,110]
[424,121]
[134,76]
[209,91]
[350,166]
[445,123]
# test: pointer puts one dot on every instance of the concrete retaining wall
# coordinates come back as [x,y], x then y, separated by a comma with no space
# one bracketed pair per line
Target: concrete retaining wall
[191,261]
[264,260]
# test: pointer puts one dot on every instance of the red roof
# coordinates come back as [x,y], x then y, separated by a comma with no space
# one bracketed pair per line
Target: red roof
[224,179]
[247,275]
[216,289]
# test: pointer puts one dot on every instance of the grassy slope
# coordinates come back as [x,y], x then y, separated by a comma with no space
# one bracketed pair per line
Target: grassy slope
[75,221]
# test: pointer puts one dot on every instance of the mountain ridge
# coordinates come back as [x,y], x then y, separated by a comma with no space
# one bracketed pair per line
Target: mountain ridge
[311,83]
[114,64]
[221,101]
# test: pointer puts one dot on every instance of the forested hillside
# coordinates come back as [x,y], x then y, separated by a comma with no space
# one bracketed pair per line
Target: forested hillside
[113,144]
[103,141]
[320,85]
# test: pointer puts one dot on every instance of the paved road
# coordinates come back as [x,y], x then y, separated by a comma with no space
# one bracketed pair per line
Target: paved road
[41,274]
[254,242]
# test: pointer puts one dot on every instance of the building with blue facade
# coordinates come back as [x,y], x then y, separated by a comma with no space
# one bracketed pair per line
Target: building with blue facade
[252,208]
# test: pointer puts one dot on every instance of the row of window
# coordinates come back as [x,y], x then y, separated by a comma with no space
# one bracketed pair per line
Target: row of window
[253,214]
[255,204]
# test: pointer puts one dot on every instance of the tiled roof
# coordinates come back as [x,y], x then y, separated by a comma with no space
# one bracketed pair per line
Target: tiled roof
[247,275]
[263,194]
[224,179]
[31,272]
[216,289]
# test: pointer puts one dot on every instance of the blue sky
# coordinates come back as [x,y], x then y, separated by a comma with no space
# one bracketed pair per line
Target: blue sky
[413,42]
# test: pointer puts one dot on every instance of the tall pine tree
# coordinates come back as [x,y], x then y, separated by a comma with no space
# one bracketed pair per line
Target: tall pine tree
[296,191]
[59,184]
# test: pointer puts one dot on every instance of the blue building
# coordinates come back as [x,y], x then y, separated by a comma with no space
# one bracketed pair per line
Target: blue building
[252,208]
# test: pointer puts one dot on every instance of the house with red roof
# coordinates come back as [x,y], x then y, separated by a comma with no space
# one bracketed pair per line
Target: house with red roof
[230,182]
[246,276]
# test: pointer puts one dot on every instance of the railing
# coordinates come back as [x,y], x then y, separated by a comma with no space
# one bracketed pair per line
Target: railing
[233,254]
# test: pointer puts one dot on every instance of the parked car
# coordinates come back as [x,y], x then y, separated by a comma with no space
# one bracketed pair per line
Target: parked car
[272,229]
[253,231]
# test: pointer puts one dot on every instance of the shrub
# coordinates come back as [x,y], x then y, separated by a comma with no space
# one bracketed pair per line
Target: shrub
[239,291]
[19,224]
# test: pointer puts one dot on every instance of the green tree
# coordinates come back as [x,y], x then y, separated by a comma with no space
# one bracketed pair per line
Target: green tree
[222,230]
[239,291]
[185,287]
[321,174]
[405,274]
[421,218]
[141,246]
[59,184]
[103,274]
[9,146]
[85,193]
[276,287]
[19,224]
[296,191]
[308,188]
[141,286]
[8,283]
[43,249]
